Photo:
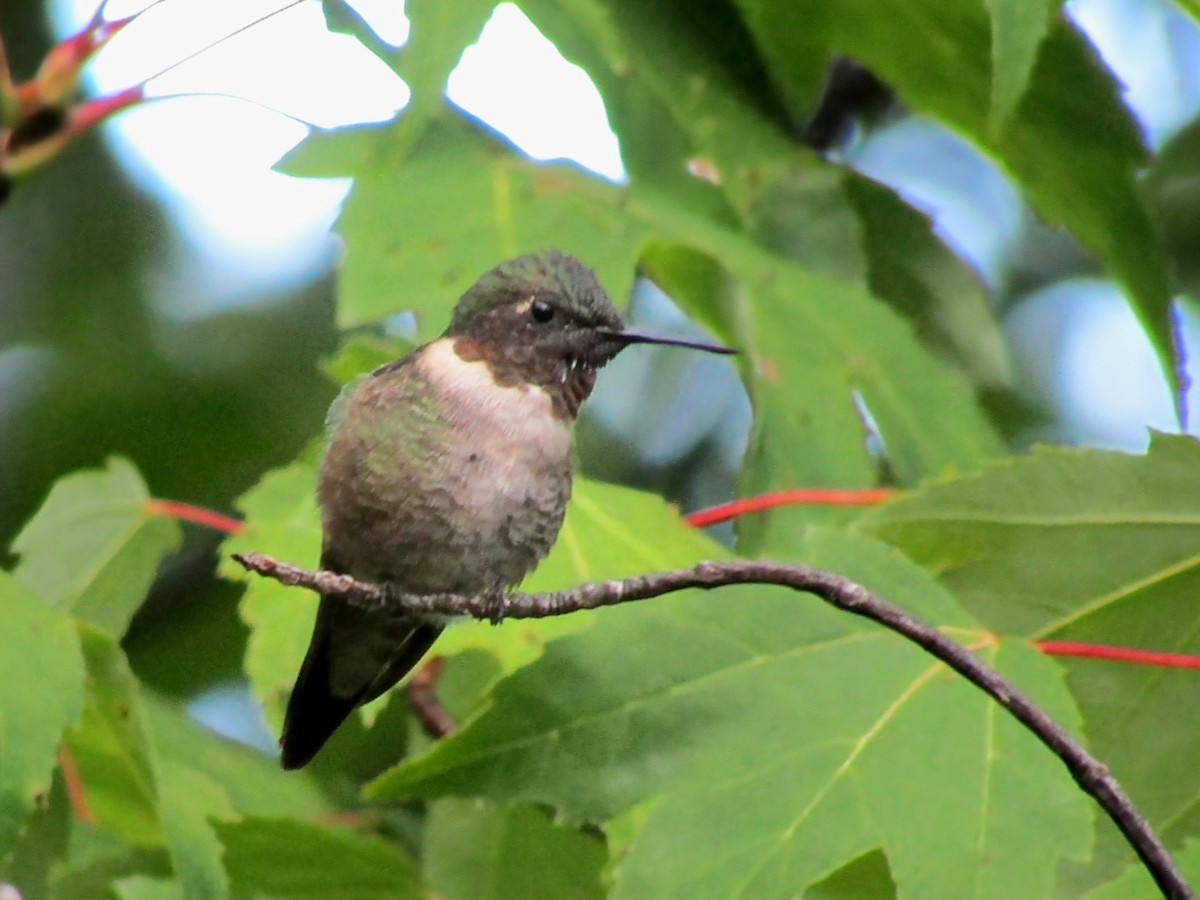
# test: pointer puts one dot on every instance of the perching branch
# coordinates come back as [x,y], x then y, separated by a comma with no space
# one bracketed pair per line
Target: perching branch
[1091,775]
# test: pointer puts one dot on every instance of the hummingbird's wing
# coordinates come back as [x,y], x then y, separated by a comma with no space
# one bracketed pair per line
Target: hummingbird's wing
[354,656]
[411,650]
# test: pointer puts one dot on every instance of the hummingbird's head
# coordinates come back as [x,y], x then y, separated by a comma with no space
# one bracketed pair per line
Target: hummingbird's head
[548,302]
[544,319]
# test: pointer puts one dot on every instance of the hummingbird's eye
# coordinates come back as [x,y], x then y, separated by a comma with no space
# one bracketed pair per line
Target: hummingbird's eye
[541,310]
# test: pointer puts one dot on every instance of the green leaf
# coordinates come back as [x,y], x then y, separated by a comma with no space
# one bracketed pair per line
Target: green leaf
[42,844]
[809,421]
[805,215]
[143,887]
[343,17]
[281,519]
[288,859]
[95,860]
[1018,543]
[771,772]
[1136,883]
[94,547]
[1094,547]
[42,674]
[1053,116]
[1018,29]
[1000,832]
[130,790]
[1069,141]
[795,56]
[922,279]
[1191,7]
[439,33]
[111,747]
[478,852]
[1174,191]
[519,208]
[687,92]
[808,427]
[866,878]
[190,803]
[253,782]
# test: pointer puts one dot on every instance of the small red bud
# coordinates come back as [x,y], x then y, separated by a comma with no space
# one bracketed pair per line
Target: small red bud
[58,77]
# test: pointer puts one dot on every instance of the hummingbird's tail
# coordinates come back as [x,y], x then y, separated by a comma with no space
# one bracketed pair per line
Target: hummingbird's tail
[354,656]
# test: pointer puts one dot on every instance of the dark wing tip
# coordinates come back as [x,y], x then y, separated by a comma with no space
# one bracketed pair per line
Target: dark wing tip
[313,715]
[314,711]
[291,758]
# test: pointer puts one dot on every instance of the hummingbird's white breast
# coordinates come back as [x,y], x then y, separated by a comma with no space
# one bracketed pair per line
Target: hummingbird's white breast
[509,466]
[439,478]
[520,417]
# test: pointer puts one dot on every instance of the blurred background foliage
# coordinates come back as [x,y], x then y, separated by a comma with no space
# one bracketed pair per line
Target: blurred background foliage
[1035,230]
[116,337]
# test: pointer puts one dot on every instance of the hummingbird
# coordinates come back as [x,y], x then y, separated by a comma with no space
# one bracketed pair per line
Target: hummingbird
[449,471]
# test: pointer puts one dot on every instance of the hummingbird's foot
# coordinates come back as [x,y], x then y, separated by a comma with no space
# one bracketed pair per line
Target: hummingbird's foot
[498,606]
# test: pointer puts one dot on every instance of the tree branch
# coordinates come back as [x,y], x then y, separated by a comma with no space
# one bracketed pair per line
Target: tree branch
[424,703]
[1091,775]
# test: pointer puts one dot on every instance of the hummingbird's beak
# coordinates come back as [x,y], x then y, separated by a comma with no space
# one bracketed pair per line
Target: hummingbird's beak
[629,336]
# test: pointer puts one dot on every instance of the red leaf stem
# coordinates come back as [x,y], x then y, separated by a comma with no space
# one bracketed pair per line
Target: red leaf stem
[76,795]
[87,115]
[197,515]
[804,497]
[1119,654]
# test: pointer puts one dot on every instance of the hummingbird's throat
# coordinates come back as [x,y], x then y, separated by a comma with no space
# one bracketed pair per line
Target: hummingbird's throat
[576,383]
[568,381]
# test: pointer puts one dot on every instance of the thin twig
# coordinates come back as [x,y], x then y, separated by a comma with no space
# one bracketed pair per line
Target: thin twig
[425,703]
[1091,775]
